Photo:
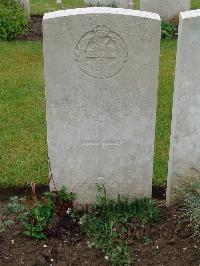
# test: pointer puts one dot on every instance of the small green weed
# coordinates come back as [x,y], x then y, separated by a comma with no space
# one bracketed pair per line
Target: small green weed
[12,20]
[64,195]
[5,223]
[124,211]
[36,220]
[167,30]
[64,201]
[36,215]
[191,204]
[146,240]
[105,235]
[107,224]
[15,205]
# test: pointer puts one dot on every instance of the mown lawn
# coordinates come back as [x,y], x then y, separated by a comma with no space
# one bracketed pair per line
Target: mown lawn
[195,4]
[39,7]
[23,152]
[22,113]
[164,108]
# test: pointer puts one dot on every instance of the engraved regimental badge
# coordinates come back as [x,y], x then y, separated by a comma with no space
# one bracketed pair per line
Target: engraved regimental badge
[101,53]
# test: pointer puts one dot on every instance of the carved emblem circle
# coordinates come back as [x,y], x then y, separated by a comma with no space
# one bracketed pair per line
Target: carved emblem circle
[101,53]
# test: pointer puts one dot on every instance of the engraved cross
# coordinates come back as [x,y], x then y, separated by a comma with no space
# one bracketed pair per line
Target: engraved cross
[101,144]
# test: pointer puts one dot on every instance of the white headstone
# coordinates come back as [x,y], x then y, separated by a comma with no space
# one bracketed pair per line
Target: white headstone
[167,9]
[110,3]
[101,73]
[26,6]
[184,161]
[58,1]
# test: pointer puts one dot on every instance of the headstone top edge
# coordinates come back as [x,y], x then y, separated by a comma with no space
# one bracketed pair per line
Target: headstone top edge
[101,10]
[190,14]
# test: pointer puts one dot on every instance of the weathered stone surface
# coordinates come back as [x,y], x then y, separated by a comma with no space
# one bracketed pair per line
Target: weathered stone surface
[167,9]
[110,3]
[101,72]
[26,5]
[184,160]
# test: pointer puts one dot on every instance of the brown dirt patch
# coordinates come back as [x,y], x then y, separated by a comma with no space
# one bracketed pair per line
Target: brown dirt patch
[167,242]
[34,32]
[171,241]
[7,192]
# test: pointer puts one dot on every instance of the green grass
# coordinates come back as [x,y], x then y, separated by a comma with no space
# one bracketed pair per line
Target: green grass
[164,106]
[137,4]
[108,224]
[39,7]
[22,113]
[23,155]
[195,4]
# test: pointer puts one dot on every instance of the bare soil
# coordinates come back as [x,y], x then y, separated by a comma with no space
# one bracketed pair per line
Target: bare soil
[34,32]
[167,242]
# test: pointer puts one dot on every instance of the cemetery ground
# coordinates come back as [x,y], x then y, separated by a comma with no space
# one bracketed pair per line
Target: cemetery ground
[121,233]
[166,241]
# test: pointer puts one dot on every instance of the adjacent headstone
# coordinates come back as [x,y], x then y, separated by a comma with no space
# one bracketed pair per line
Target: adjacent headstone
[184,160]
[110,3]
[167,9]
[101,74]
[26,6]
[58,1]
